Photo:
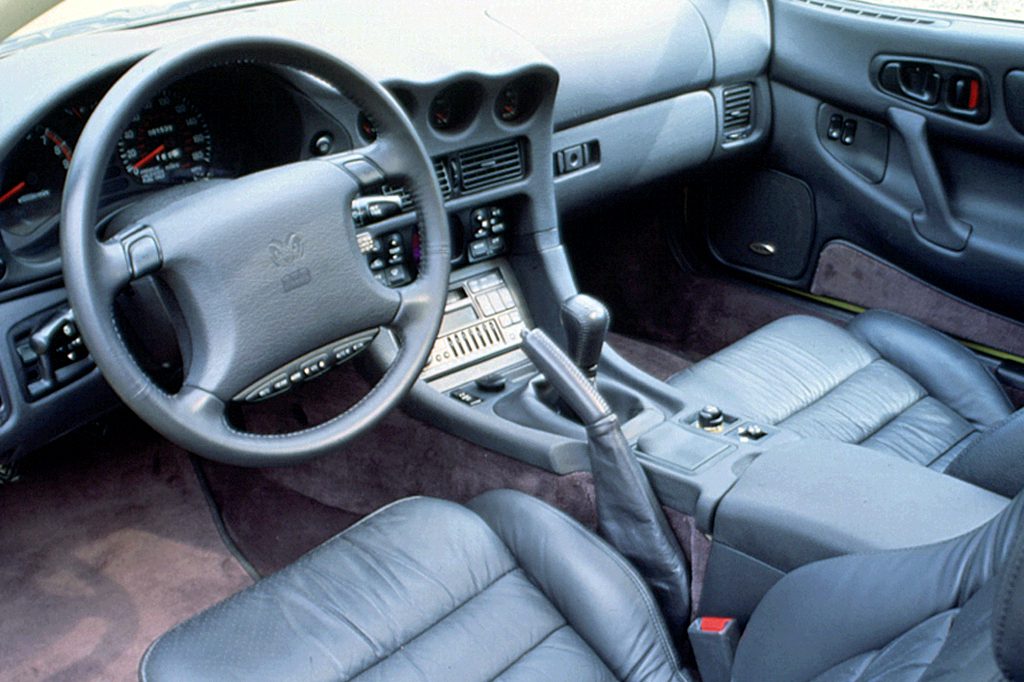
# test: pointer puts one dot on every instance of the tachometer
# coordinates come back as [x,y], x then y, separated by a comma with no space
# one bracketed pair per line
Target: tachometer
[32,182]
[167,142]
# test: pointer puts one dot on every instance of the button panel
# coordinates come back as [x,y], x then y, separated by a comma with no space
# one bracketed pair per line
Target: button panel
[483,318]
[487,228]
[307,367]
[388,258]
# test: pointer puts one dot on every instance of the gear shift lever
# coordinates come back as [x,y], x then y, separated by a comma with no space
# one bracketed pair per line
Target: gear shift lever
[585,320]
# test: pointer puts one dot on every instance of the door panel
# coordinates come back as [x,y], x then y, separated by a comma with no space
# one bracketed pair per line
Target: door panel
[929,182]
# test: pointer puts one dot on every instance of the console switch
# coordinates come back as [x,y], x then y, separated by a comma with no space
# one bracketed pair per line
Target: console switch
[710,418]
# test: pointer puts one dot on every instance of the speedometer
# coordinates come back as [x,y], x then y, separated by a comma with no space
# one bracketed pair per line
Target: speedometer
[167,142]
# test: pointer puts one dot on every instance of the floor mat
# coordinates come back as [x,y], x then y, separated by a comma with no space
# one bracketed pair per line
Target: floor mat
[107,542]
[659,362]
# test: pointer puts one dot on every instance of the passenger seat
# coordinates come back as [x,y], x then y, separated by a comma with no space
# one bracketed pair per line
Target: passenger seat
[885,382]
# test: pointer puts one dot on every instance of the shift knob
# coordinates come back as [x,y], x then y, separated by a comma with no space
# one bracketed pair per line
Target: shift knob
[585,320]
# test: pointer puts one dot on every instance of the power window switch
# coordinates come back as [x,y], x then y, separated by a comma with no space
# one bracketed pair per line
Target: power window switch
[849,132]
[835,127]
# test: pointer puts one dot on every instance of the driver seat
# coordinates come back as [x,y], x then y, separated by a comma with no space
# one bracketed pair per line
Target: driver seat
[509,588]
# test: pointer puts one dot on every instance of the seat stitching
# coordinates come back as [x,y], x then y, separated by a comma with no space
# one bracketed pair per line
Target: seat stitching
[529,649]
[430,626]
[1006,592]
[654,615]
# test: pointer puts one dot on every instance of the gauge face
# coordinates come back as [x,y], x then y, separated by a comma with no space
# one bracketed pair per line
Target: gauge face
[167,142]
[454,107]
[510,104]
[367,130]
[33,181]
[441,112]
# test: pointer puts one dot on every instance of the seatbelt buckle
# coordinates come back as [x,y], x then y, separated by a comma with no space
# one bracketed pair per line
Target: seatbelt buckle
[714,642]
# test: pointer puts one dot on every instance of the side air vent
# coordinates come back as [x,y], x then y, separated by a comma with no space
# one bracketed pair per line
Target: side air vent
[737,111]
[491,165]
[868,13]
[443,178]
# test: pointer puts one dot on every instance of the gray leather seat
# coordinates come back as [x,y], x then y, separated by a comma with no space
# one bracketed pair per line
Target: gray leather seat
[885,382]
[511,589]
[508,588]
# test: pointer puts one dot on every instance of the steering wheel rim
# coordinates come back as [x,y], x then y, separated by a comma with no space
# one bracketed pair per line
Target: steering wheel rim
[227,275]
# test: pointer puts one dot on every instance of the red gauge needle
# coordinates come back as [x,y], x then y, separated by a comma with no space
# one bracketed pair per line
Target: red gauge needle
[12,191]
[148,157]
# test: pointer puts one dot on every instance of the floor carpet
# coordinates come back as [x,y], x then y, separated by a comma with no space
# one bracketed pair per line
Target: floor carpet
[107,541]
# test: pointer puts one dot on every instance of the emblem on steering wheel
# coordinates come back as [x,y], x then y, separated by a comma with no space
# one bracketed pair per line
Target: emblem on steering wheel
[286,252]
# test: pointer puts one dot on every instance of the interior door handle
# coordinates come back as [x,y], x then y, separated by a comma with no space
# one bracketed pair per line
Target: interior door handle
[936,221]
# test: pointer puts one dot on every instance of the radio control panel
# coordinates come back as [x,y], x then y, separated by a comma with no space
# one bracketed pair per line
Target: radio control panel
[483,317]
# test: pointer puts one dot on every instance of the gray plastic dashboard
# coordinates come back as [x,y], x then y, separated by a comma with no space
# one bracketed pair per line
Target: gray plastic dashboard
[645,85]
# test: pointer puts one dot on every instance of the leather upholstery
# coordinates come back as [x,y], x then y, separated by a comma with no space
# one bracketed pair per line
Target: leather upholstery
[994,459]
[948,611]
[512,589]
[508,589]
[885,382]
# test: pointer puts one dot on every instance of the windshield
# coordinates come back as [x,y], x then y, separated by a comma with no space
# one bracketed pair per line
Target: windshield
[71,17]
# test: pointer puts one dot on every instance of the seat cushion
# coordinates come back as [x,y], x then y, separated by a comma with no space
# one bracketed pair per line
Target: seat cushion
[885,382]
[428,589]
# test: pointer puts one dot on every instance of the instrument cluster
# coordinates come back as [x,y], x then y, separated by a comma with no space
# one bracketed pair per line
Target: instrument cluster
[218,124]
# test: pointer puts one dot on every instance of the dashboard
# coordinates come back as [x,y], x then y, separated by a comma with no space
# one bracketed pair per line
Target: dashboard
[518,115]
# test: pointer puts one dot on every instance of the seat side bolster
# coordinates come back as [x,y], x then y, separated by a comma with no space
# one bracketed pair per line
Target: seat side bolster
[945,368]
[830,611]
[994,459]
[571,565]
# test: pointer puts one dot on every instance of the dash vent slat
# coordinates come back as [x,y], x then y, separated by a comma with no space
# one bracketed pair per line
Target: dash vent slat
[491,165]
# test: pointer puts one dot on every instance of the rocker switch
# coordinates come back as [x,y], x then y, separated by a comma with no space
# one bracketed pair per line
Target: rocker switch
[849,132]
[835,127]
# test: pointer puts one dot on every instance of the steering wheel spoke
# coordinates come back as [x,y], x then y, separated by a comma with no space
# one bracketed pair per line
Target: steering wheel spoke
[373,164]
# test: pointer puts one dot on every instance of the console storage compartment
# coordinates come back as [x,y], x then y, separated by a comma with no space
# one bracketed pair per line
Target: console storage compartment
[814,499]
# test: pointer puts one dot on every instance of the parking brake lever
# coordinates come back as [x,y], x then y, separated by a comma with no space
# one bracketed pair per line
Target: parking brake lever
[629,514]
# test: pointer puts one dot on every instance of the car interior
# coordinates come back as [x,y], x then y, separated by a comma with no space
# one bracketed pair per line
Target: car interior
[674,340]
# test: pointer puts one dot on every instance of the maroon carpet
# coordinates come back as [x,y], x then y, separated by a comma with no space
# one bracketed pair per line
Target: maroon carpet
[107,542]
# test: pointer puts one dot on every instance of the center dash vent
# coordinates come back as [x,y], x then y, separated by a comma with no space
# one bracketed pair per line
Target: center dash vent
[737,111]
[490,165]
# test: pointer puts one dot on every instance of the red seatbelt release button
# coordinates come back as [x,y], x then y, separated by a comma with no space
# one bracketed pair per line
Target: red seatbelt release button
[713,623]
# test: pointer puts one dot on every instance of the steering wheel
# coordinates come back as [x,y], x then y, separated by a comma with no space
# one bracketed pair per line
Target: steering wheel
[265,268]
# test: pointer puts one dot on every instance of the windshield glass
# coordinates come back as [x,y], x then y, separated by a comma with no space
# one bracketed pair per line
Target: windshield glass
[82,16]
[76,10]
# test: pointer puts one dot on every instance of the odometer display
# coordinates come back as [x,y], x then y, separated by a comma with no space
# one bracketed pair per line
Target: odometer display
[167,142]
